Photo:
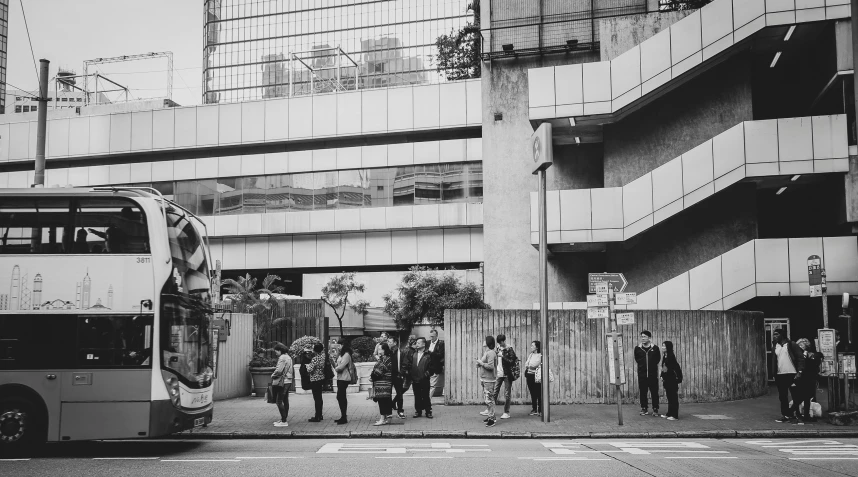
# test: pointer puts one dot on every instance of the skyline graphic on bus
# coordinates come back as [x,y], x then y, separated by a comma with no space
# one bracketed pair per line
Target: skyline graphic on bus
[22,297]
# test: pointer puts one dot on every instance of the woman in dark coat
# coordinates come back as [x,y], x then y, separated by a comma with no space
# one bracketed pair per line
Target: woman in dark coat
[382,384]
[671,376]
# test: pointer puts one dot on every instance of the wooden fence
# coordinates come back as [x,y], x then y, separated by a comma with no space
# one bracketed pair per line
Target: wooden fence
[722,353]
[302,318]
[233,376]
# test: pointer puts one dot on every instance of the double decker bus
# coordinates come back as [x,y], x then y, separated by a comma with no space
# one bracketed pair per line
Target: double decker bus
[105,316]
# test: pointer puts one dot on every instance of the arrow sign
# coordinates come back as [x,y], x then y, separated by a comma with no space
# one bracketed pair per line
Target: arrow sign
[616,280]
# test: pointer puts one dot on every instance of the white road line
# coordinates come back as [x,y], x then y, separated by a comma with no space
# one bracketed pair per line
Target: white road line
[415,457]
[125,458]
[546,459]
[283,457]
[201,460]
[694,451]
[698,457]
[823,458]
[13,460]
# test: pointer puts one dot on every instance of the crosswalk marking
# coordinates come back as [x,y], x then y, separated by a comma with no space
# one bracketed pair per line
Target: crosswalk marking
[371,448]
[821,448]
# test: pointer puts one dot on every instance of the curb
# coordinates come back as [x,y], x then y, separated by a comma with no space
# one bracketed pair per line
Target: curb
[702,434]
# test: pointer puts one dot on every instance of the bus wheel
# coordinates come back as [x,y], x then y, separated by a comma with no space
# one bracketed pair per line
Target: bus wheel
[21,426]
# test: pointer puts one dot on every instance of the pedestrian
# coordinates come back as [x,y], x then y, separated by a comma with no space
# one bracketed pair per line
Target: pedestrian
[436,352]
[317,378]
[382,379]
[534,362]
[790,364]
[344,378]
[506,361]
[671,376]
[487,365]
[375,353]
[647,357]
[281,381]
[420,379]
[401,362]
[807,384]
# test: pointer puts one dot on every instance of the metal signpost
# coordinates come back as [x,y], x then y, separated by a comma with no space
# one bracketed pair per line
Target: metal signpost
[601,306]
[543,155]
[816,281]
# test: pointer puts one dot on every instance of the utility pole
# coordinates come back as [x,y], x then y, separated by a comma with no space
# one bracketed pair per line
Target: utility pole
[854,62]
[41,134]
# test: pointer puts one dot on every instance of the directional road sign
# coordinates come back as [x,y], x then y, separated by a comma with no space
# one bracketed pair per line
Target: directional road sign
[616,280]
[597,300]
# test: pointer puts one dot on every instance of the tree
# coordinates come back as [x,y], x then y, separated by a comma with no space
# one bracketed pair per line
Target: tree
[424,294]
[458,54]
[336,294]
[258,302]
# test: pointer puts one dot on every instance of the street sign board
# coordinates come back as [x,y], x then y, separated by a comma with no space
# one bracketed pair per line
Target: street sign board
[598,312]
[612,373]
[627,318]
[616,280]
[626,298]
[541,147]
[827,346]
[814,270]
[601,288]
[847,363]
[597,300]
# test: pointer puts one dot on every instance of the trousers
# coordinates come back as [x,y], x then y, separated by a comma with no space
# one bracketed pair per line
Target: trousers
[648,386]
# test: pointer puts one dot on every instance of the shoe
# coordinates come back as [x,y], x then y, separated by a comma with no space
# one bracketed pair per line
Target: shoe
[643,412]
[663,416]
[418,414]
[428,414]
[655,413]
[809,419]
[533,413]
[400,414]
[381,422]
[281,424]
[486,419]
[671,418]
[485,413]
[275,422]
[314,419]
[341,421]
[505,415]
[783,419]
[490,423]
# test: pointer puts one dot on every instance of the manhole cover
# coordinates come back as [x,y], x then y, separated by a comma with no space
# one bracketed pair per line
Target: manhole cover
[711,416]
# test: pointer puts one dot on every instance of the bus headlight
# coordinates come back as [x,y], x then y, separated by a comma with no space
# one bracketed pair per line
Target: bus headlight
[172,388]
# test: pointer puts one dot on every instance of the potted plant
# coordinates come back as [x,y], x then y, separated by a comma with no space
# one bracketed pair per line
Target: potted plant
[295,351]
[261,303]
[363,347]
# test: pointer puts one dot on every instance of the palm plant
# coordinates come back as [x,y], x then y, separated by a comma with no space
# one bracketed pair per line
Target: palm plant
[259,302]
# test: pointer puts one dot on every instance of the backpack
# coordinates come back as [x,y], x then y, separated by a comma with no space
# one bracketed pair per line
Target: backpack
[678,373]
[515,367]
[352,371]
[328,369]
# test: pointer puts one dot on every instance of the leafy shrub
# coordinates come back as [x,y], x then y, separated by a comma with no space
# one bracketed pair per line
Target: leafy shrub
[264,358]
[363,347]
[299,344]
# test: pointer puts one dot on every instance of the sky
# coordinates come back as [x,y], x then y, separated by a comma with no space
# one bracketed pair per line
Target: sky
[67,32]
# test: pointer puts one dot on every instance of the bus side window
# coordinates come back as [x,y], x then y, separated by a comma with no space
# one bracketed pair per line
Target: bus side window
[106,341]
[36,342]
[110,225]
[34,225]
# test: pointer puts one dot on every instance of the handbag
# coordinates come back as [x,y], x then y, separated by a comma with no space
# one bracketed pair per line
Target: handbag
[537,376]
[353,373]
[271,394]
[305,377]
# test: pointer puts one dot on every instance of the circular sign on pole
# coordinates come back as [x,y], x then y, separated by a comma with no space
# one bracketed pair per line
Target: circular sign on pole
[536,147]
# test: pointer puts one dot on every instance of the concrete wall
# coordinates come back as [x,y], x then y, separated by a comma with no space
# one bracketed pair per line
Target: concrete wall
[510,260]
[678,122]
[620,34]
[693,237]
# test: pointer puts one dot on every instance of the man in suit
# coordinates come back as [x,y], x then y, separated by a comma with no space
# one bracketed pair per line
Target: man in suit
[420,379]
[436,367]
[401,373]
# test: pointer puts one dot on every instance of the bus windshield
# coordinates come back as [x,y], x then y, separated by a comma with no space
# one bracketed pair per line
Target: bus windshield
[186,305]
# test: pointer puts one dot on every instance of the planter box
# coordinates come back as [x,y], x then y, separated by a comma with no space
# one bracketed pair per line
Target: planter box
[261,379]
[296,383]
[364,370]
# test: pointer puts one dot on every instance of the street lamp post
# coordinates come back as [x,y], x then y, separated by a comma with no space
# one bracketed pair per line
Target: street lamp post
[543,156]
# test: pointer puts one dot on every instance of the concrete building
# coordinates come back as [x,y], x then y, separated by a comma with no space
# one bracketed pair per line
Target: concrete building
[705,154]
[248,45]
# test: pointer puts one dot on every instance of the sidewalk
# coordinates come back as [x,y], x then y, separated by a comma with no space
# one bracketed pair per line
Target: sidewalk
[252,417]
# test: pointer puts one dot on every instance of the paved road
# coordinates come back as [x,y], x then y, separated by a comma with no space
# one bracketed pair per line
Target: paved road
[472,457]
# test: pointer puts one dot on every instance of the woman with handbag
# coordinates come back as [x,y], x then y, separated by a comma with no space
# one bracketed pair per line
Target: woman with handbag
[281,381]
[534,363]
[382,385]
[344,378]
[671,376]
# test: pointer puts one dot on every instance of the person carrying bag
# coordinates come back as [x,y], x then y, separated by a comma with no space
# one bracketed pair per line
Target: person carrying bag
[281,381]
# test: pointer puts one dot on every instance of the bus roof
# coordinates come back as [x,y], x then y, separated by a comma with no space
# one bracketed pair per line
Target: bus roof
[78,192]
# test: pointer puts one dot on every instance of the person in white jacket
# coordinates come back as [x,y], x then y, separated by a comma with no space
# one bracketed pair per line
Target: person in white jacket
[281,381]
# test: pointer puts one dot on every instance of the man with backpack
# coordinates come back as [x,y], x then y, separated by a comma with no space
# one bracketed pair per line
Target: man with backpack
[508,370]
[401,360]
[647,357]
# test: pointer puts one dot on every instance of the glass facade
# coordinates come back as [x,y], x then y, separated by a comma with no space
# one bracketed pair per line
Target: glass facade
[248,44]
[4,43]
[349,189]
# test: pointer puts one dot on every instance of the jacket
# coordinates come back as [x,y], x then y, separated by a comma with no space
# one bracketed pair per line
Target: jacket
[812,361]
[508,359]
[488,366]
[671,373]
[420,369]
[436,365]
[402,358]
[284,371]
[316,367]
[796,356]
[342,368]
[647,361]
